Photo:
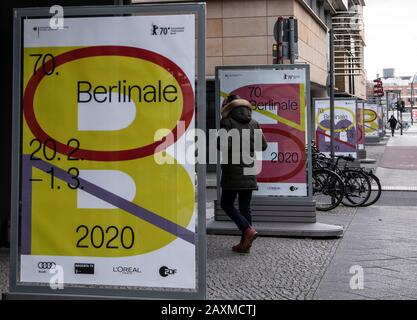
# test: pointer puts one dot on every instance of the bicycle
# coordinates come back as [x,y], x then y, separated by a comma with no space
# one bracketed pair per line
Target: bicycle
[376,188]
[357,185]
[328,187]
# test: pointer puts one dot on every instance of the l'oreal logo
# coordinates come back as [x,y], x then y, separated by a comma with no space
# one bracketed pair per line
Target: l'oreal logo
[126,270]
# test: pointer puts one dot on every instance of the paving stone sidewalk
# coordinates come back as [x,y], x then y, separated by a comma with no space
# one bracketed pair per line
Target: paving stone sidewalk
[277,268]
[4,270]
[382,241]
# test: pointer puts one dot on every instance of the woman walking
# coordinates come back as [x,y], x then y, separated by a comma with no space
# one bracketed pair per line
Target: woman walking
[393,124]
[237,115]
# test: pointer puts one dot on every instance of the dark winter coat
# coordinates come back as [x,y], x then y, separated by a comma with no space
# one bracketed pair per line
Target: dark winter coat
[233,177]
[392,122]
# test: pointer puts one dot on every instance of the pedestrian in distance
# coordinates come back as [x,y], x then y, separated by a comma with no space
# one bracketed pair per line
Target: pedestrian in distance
[393,124]
[235,180]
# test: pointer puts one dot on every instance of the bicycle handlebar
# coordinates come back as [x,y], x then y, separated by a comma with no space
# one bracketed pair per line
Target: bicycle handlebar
[346,158]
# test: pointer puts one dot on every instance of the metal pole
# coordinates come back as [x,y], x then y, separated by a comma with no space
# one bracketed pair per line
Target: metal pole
[331,92]
[401,115]
[412,98]
[380,106]
[398,101]
[387,96]
[280,49]
[292,40]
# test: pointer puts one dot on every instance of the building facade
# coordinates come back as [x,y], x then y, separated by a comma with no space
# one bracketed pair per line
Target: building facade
[241,32]
[349,42]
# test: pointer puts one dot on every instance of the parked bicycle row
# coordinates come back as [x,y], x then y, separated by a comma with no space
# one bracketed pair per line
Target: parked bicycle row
[335,182]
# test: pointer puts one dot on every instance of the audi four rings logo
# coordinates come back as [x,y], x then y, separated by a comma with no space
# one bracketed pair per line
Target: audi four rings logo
[46,265]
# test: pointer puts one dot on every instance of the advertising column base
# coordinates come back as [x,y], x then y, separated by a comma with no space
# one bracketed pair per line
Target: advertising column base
[279,229]
[361,154]
[372,140]
[272,217]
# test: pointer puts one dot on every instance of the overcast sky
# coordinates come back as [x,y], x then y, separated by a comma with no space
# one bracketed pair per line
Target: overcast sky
[391,38]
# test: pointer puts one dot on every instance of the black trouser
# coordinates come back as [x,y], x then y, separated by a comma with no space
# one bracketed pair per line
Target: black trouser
[241,217]
[392,131]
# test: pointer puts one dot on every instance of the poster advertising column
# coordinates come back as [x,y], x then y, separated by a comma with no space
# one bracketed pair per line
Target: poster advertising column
[371,120]
[384,118]
[106,199]
[346,132]
[361,127]
[380,120]
[278,97]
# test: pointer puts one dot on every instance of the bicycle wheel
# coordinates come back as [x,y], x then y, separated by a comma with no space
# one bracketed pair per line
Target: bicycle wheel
[376,189]
[357,188]
[328,189]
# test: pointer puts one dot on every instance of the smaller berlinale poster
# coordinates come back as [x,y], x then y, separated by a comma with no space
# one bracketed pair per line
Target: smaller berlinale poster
[361,127]
[371,120]
[345,127]
[278,98]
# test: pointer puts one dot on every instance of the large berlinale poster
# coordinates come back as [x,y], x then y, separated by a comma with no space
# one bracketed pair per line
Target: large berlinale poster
[94,199]
[278,98]
[345,127]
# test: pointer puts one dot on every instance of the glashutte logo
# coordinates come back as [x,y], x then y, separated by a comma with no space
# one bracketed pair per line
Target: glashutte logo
[126,270]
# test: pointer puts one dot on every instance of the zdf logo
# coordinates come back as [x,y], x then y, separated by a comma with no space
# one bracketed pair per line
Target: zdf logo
[57,20]
[165,271]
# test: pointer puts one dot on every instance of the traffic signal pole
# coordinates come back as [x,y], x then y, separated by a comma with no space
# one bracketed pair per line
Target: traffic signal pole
[398,105]
[280,49]
[412,98]
[291,41]
[379,93]
[401,114]
[331,92]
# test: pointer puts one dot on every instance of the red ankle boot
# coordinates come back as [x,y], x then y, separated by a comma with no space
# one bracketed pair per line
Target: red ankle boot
[238,247]
[249,236]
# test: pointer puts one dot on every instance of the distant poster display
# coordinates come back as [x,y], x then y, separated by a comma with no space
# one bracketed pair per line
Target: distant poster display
[361,131]
[371,120]
[380,120]
[345,126]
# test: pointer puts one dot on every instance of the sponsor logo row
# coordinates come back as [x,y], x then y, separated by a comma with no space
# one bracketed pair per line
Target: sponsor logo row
[89,268]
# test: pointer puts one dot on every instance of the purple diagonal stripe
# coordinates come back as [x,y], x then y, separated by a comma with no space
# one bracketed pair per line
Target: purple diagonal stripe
[121,203]
[26,205]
